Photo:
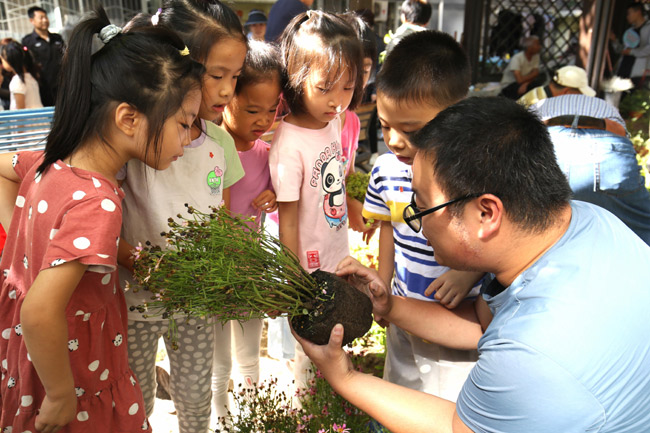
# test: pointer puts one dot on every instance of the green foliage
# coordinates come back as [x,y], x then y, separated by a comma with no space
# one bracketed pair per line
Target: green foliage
[356,185]
[219,265]
[635,104]
[635,109]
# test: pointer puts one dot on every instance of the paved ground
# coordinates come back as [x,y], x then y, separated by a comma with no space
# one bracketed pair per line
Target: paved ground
[164,419]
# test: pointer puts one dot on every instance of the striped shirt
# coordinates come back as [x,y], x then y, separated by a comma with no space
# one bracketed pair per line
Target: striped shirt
[581,105]
[389,192]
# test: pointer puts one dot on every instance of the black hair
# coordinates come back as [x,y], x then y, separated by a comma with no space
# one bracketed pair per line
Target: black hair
[201,24]
[339,48]
[262,64]
[637,6]
[494,145]
[143,67]
[20,59]
[425,67]
[365,34]
[416,11]
[367,15]
[33,9]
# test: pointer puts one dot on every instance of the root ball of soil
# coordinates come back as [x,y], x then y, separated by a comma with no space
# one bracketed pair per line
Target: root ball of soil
[337,302]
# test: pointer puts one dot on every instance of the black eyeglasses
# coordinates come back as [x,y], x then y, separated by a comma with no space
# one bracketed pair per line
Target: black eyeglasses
[413,216]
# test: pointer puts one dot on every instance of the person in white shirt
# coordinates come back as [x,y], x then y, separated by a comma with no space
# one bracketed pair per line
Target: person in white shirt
[522,72]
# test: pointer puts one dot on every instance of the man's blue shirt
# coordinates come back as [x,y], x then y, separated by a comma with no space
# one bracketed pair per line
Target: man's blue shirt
[568,349]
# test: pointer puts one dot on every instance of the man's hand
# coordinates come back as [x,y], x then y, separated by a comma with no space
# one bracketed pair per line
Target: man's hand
[330,359]
[369,282]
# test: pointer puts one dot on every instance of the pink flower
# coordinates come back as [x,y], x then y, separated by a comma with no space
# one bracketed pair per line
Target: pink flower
[340,428]
[325,411]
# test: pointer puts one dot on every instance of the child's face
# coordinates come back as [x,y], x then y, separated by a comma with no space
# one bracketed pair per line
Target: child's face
[399,120]
[251,113]
[258,30]
[367,70]
[176,133]
[223,66]
[324,103]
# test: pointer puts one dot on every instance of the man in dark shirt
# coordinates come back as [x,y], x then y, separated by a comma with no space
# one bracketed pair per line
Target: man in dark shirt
[47,49]
[281,13]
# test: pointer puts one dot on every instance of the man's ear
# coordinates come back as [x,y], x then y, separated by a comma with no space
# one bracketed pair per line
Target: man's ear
[491,208]
[127,119]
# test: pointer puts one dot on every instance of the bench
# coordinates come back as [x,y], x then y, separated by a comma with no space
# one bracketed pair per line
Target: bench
[25,129]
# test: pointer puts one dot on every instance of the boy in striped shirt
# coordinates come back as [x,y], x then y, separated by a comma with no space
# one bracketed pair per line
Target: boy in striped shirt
[438,76]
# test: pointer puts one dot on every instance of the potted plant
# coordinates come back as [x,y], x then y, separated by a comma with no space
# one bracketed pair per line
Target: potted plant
[217,265]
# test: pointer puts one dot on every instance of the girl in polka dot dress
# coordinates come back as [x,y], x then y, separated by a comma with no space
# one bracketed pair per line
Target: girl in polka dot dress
[63,357]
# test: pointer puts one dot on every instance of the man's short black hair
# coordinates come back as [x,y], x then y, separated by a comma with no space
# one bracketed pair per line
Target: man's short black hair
[33,9]
[494,145]
[416,11]
[425,67]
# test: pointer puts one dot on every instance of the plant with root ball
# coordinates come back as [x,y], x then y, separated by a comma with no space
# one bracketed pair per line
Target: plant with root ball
[218,265]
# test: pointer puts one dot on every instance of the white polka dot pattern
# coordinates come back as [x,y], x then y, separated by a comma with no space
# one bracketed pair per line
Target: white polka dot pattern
[134,409]
[93,365]
[42,206]
[81,243]
[108,205]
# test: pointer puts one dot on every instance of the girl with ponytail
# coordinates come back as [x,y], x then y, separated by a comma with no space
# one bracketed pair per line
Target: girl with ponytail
[63,354]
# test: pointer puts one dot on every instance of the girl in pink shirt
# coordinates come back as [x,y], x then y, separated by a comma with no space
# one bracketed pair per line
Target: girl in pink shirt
[322,58]
[247,117]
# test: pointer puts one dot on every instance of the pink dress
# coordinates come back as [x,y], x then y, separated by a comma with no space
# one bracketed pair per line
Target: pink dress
[68,214]
[350,139]
[256,180]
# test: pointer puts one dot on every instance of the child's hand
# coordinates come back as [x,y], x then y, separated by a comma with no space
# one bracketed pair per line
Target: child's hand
[266,201]
[452,287]
[368,234]
[355,219]
[55,413]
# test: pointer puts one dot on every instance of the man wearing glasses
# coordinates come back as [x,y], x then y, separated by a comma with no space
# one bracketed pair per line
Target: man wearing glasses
[562,329]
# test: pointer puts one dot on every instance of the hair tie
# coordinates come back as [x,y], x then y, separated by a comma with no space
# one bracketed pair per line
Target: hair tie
[155,19]
[185,51]
[109,32]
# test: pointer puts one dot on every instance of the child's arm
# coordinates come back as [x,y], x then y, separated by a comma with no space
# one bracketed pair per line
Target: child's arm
[20,100]
[226,198]
[452,286]
[9,183]
[45,330]
[354,215]
[266,201]
[125,254]
[386,259]
[288,219]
